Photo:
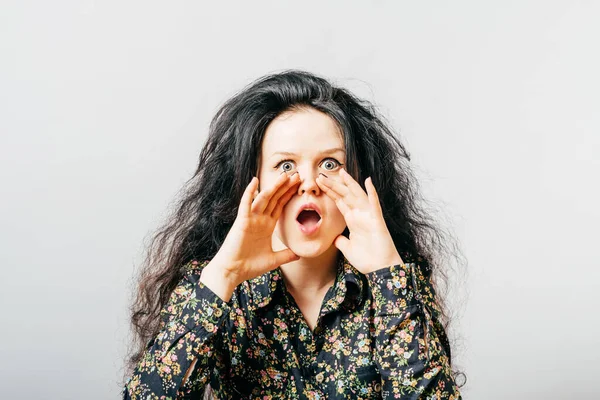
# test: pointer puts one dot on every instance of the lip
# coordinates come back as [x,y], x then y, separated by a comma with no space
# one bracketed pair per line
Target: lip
[303,229]
[309,205]
[309,231]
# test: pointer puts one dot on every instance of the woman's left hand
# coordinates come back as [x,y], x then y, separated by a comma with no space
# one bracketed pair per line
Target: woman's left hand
[369,246]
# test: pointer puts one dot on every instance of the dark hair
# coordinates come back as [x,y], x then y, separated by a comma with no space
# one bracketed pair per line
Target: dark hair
[208,202]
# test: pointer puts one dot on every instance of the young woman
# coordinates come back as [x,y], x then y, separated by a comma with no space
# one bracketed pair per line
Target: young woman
[298,264]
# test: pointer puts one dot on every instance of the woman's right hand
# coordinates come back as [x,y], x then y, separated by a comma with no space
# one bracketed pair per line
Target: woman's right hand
[247,250]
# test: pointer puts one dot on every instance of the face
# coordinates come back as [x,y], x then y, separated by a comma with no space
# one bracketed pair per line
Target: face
[308,142]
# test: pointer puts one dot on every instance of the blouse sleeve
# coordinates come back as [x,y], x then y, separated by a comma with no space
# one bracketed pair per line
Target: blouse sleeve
[412,354]
[190,321]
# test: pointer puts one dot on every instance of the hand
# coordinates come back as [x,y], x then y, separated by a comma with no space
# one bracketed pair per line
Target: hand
[247,250]
[369,246]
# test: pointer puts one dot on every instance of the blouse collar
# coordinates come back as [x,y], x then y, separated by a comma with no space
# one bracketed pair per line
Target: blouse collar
[348,288]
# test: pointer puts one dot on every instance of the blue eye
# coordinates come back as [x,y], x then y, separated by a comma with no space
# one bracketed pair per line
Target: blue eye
[329,161]
[286,169]
[329,164]
[285,162]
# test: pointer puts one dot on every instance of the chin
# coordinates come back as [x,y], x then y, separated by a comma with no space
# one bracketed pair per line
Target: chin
[302,246]
[308,249]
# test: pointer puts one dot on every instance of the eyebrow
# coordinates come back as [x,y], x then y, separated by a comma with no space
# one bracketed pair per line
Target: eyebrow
[328,151]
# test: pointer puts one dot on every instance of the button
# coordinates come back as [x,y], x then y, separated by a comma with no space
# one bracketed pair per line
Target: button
[318,330]
[320,377]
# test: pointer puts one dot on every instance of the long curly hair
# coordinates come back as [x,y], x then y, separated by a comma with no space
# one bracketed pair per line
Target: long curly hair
[208,202]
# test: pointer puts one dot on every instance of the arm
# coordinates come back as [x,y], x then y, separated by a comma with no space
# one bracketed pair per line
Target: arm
[411,354]
[176,360]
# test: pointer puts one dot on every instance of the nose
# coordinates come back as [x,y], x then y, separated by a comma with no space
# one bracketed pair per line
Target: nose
[308,183]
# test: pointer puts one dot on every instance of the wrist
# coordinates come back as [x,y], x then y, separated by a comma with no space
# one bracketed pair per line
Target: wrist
[216,277]
[387,262]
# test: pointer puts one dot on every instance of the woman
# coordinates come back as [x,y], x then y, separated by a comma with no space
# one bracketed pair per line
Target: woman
[281,275]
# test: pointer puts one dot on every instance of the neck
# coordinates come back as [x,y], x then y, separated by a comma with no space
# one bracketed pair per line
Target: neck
[309,276]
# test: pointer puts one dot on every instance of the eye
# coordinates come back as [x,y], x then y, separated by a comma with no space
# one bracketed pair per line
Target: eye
[286,165]
[332,162]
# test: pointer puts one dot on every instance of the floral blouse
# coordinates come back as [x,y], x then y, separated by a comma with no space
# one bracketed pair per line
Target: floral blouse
[377,336]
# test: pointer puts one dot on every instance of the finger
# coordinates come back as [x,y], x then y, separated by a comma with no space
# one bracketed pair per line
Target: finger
[352,184]
[328,186]
[283,201]
[343,244]
[292,181]
[285,256]
[373,196]
[262,200]
[339,189]
[343,207]
[246,201]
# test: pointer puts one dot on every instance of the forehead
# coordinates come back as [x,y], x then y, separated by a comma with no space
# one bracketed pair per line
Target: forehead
[304,131]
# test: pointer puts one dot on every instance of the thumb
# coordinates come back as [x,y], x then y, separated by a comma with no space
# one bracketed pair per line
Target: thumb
[343,244]
[285,256]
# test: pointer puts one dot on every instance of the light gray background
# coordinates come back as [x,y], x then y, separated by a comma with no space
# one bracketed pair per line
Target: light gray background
[104,106]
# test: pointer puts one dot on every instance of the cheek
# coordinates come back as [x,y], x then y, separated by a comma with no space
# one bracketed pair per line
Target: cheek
[285,218]
[337,219]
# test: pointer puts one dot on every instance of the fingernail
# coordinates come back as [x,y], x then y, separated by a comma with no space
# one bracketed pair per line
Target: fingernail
[320,173]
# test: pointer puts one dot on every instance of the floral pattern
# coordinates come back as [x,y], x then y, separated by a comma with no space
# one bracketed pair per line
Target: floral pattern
[378,335]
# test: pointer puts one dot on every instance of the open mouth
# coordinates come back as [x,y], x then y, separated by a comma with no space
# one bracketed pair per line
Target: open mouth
[308,218]
[309,221]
